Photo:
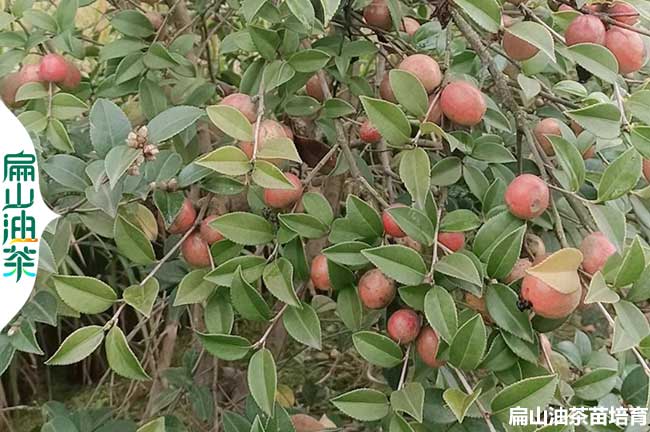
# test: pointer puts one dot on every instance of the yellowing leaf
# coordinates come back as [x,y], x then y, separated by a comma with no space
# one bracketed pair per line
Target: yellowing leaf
[560,270]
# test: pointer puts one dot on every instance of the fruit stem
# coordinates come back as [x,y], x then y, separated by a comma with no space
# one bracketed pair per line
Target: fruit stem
[481,408]
[405,367]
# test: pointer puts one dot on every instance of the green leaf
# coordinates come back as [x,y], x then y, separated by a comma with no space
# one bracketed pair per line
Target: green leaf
[309,60]
[262,380]
[84,294]
[66,106]
[415,171]
[279,148]
[132,242]
[620,176]
[247,300]
[228,160]
[377,349]
[631,323]
[76,347]
[58,136]
[459,266]
[278,278]
[169,205]
[501,302]
[30,91]
[601,119]
[409,399]
[459,402]
[365,219]
[225,347]
[570,160]
[218,314]
[467,347]
[231,121]
[347,253]
[595,384]
[529,393]
[597,59]
[317,205]
[486,13]
[142,297]
[120,357]
[389,120]
[446,171]
[157,425]
[363,404]
[303,325]
[244,228]
[440,311]
[414,223]
[506,253]
[268,176]
[535,34]
[632,265]
[639,104]
[132,23]
[303,10]
[304,225]
[172,121]
[193,288]
[398,262]
[459,221]
[252,267]
[409,92]
[67,170]
[349,308]
[599,292]
[611,222]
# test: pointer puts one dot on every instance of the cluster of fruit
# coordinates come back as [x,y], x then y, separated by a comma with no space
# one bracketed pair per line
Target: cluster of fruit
[53,68]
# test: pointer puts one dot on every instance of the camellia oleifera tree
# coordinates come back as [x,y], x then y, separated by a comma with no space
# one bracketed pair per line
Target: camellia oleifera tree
[404,216]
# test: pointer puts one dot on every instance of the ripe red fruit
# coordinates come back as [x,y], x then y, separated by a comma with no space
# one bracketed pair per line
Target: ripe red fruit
[403,326]
[517,48]
[243,103]
[319,273]
[53,68]
[410,25]
[453,241]
[281,198]
[646,169]
[209,234]
[376,290]
[462,103]
[196,251]
[427,346]
[565,8]
[628,48]
[368,133]
[377,14]
[623,12]
[390,226]
[385,90]
[314,88]
[518,271]
[72,78]
[596,250]
[548,126]
[30,73]
[546,301]
[8,88]
[269,129]
[185,218]
[424,68]
[585,29]
[527,196]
